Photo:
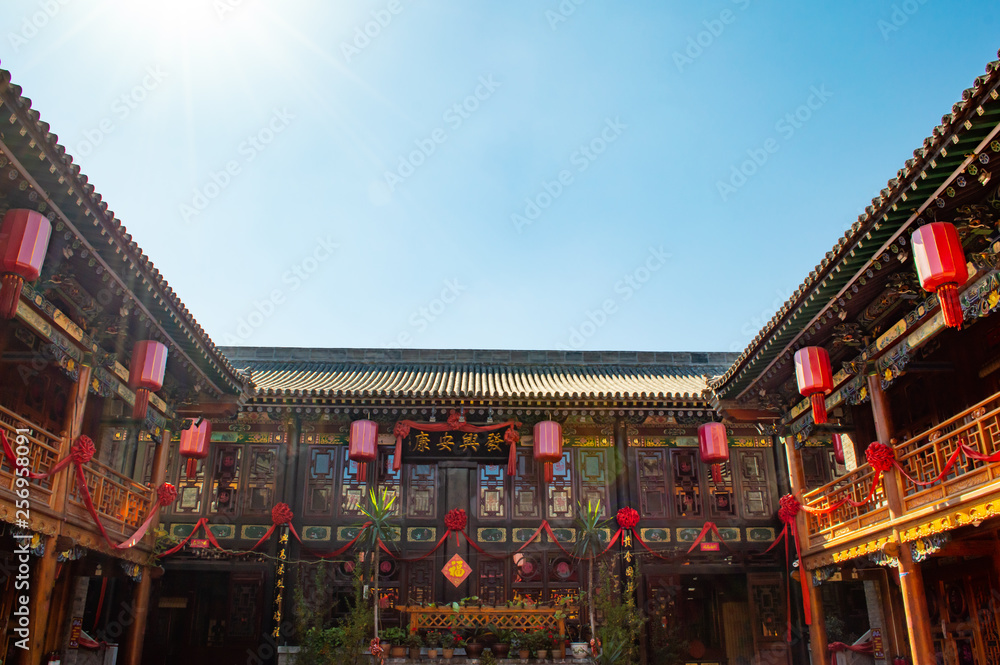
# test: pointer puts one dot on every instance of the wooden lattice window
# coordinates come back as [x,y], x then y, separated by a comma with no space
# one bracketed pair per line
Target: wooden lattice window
[388,479]
[721,498]
[687,492]
[320,480]
[492,492]
[526,499]
[653,492]
[190,490]
[245,603]
[421,490]
[352,496]
[226,479]
[258,495]
[815,466]
[592,464]
[492,582]
[420,586]
[529,575]
[753,480]
[560,504]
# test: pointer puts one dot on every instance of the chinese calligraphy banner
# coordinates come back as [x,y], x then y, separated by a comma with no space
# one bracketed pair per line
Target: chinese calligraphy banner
[483,447]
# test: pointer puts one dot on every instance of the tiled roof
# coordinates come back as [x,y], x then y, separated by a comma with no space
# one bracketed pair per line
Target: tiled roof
[479,374]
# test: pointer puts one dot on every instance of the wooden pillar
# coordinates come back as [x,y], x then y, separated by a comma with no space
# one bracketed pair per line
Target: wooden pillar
[141,594]
[911,578]
[817,631]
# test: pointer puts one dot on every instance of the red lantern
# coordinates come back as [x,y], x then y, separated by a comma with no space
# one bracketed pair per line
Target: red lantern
[813,375]
[548,445]
[363,444]
[838,449]
[24,238]
[194,444]
[940,260]
[713,443]
[149,363]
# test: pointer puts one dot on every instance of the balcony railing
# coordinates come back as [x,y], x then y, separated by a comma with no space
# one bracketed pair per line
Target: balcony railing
[43,453]
[120,501]
[925,458]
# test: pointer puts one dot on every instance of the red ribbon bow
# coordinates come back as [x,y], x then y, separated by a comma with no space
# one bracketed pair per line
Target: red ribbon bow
[627,517]
[83,450]
[166,494]
[880,456]
[281,514]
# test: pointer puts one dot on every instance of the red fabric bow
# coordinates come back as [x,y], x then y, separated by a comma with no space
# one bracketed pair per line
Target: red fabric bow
[627,517]
[281,514]
[453,419]
[401,430]
[789,508]
[166,494]
[456,519]
[83,450]
[880,456]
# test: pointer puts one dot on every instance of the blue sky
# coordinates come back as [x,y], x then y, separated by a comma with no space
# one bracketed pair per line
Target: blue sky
[544,174]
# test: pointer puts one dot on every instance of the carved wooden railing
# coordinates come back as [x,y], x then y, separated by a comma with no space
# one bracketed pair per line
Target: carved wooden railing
[43,453]
[122,502]
[924,458]
[511,618]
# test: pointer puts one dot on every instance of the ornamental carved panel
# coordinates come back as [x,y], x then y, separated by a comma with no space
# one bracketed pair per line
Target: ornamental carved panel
[652,474]
[687,490]
[421,499]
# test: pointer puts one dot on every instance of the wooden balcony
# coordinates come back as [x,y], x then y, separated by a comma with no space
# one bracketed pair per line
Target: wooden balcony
[121,503]
[924,457]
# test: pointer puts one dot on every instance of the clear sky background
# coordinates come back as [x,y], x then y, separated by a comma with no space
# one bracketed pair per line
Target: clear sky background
[302,176]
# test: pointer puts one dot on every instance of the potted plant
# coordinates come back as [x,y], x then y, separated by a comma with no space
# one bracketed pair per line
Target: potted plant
[414,642]
[521,642]
[504,637]
[558,642]
[589,545]
[397,641]
[375,531]
[448,644]
[433,641]
[540,641]
[474,642]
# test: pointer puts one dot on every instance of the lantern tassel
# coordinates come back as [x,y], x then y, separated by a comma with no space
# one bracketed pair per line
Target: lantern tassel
[397,456]
[717,474]
[818,408]
[10,295]
[548,472]
[362,473]
[192,467]
[512,460]
[951,306]
[141,404]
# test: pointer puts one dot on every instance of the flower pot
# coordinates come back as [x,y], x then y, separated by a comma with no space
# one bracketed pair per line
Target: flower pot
[523,653]
[559,653]
[542,654]
[580,650]
[432,652]
[474,649]
[500,649]
[448,652]
[414,653]
[397,651]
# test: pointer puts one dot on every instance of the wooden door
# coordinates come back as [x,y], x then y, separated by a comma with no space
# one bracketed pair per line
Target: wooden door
[962,607]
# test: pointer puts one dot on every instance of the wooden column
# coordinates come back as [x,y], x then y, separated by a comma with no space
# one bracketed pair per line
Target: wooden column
[817,631]
[43,580]
[911,578]
[140,597]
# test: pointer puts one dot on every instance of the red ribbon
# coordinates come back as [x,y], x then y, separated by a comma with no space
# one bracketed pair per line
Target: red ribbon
[839,647]
[203,522]
[709,527]
[944,472]
[79,451]
[788,513]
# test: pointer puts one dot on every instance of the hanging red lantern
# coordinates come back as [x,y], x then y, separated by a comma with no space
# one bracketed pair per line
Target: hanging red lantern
[194,444]
[713,443]
[814,377]
[548,445]
[24,239]
[149,363]
[838,448]
[363,444]
[941,267]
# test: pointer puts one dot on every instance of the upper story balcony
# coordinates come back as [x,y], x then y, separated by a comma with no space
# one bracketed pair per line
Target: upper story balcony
[948,499]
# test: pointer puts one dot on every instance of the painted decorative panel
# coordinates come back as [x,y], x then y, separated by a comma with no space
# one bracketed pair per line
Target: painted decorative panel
[753,481]
[652,474]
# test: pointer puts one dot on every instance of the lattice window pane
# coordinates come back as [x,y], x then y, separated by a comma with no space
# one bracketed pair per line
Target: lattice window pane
[526,492]
[226,480]
[353,495]
[492,493]
[320,481]
[687,491]
[652,474]
[492,582]
[720,495]
[560,504]
[753,481]
[592,465]
[421,491]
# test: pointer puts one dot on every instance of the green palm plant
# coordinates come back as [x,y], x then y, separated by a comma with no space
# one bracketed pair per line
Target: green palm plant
[378,512]
[589,544]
